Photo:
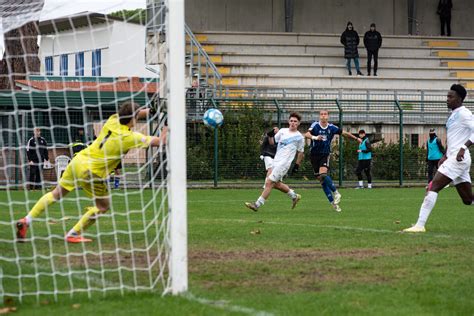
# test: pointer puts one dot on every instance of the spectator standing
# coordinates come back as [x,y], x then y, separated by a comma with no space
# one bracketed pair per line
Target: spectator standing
[37,154]
[372,42]
[350,40]
[79,142]
[444,12]
[434,152]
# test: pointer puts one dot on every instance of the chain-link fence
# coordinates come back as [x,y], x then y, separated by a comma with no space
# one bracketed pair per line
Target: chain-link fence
[397,129]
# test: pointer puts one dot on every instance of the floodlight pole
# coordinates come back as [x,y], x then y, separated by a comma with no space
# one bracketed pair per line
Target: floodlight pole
[177,148]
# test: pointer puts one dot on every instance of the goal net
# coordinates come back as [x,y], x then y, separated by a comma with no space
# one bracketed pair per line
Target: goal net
[62,79]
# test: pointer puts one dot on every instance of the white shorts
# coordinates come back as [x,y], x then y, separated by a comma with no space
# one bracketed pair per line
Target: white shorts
[458,171]
[268,162]
[278,173]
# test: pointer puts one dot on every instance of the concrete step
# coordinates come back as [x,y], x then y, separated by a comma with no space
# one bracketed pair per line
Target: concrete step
[282,49]
[451,53]
[328,70]
[458,64]
[314,38]
[309,59]
[438,43]
[463,74]
[342,82]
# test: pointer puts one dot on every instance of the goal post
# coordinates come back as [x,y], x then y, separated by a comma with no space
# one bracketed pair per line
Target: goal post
[177,147]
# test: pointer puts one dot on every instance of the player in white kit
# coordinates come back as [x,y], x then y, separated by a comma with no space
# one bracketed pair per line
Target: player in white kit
[455,164]
[290,141]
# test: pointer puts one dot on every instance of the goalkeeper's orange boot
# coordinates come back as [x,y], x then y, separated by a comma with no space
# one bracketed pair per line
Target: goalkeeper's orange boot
[75,239]
[21,230]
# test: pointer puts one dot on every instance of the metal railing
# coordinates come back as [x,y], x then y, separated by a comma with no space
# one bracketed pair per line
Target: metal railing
[201,66]
[343,94]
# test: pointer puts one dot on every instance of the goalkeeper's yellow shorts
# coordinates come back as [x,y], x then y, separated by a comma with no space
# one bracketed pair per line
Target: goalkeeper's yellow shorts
[78,175]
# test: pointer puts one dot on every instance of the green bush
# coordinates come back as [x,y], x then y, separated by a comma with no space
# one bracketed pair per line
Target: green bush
[238,146]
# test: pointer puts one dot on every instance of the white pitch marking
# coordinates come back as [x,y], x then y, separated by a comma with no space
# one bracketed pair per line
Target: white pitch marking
[225,305]
[363,229]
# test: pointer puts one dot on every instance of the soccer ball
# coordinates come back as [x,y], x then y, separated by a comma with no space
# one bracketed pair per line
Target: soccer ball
[213,118]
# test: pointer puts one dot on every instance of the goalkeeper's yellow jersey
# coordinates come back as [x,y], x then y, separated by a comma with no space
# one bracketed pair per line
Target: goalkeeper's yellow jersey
[113,142]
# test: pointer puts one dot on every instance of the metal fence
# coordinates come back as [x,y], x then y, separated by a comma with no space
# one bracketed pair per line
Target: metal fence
[230,155]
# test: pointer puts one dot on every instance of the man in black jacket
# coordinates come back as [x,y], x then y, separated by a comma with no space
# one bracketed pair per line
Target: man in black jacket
[372,42]
[350,40]
[37,153]
[444,12]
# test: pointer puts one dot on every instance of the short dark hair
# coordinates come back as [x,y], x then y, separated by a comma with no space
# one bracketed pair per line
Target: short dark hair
[324,110]
[361,131]
[459,89]
[127,111]
[295,115]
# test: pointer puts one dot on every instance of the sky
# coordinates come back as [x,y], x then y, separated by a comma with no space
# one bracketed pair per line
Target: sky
[58,8]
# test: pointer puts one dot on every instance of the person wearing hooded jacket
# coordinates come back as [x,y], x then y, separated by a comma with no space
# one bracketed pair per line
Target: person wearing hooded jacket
[350,40]
[372,42]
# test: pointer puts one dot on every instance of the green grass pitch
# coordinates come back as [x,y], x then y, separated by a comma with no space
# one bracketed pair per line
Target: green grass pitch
[279,261]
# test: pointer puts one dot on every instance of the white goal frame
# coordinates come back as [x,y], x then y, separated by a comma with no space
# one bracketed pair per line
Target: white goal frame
[177,146]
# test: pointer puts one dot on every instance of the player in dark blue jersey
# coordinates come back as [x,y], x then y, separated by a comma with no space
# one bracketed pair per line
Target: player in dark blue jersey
[321,134]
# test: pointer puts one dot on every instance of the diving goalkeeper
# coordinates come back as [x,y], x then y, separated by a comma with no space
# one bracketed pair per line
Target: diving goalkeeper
[90,167]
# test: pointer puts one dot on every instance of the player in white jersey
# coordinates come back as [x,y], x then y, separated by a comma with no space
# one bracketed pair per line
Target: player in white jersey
[455,164]
[290,141]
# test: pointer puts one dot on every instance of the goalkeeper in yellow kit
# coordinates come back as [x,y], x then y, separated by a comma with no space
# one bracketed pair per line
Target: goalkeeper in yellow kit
[90,168]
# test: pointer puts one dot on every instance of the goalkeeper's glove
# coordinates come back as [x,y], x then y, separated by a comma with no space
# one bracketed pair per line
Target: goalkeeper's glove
[153,109]
[154,104]
[295,169]
[271,133]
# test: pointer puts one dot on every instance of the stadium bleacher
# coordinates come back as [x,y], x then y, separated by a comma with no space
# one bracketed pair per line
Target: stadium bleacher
[298,60]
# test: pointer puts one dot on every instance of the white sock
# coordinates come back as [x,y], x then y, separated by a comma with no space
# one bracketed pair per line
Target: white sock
[291,194]
[425,210]
[361,183]
[369,185]
[29,219]
[72,232]
[260,201]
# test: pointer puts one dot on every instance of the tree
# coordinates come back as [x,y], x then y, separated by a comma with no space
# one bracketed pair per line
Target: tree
[20,58]
[137,15]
